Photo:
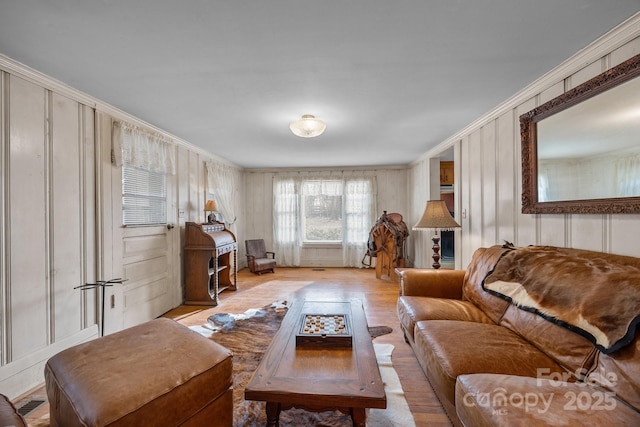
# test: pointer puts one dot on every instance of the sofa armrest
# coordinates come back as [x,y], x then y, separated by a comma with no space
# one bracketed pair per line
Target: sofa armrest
[432,283]
[9,415]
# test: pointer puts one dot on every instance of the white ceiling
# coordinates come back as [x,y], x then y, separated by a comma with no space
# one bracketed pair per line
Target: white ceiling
[391,78]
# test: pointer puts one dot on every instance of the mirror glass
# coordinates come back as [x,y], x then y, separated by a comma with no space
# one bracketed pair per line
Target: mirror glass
[592,150]
[581,150]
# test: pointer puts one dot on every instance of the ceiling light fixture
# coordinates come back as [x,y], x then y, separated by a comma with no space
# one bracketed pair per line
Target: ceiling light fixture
[307,127]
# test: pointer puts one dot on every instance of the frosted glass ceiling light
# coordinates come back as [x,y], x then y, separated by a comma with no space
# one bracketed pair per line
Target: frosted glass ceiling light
[308,126]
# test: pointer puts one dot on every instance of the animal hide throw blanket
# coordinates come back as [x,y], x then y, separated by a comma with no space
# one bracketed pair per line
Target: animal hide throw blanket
[594,294]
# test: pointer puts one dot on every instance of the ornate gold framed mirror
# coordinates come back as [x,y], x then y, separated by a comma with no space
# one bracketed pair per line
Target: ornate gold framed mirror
[581,150]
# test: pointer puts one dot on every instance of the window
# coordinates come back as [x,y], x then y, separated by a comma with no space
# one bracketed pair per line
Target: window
[146,159]
[322,211]
[144,196]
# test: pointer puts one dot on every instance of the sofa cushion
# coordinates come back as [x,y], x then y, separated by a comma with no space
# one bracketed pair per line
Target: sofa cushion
[449,348]
[620,372]
[489,400]
[483,260]
[414,309]
[570,350]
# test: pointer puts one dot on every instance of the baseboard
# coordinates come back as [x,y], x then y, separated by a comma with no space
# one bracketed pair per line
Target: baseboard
[22,375]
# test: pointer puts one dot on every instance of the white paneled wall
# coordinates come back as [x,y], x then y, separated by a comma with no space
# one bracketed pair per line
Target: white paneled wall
[418,243]
[192,193]
[489,184]
[48,238]
[258,202]
[60,218]
[60,205]
[507,197]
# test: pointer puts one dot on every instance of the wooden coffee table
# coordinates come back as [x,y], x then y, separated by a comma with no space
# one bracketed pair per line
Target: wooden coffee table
[319,379]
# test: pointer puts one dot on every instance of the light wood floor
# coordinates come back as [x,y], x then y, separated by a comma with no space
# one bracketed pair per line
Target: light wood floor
[379,298]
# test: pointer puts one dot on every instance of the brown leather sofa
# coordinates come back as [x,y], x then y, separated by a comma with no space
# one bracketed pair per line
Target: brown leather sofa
[159,373]
[494,359]
[9,415]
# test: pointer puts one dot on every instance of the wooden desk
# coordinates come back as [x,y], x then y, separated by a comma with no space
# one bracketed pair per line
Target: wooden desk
[210,263]
[319,379]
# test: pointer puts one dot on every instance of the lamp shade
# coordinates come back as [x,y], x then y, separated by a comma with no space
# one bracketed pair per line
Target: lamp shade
[436,215]
[307,127]
[211,205]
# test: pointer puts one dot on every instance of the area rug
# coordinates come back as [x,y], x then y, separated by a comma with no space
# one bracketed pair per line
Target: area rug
[248,335]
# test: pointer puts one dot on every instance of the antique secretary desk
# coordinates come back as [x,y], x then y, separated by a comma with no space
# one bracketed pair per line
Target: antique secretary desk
[210,262]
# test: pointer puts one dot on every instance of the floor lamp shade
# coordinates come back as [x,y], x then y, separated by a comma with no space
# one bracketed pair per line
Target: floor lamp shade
[436,216]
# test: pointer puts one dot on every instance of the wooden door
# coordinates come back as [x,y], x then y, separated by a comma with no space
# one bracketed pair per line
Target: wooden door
[147,260]
[147,255]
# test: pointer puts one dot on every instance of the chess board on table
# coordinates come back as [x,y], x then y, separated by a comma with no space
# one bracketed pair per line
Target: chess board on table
[324,330]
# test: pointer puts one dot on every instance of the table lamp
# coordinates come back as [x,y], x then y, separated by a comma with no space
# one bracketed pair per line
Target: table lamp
[211,206]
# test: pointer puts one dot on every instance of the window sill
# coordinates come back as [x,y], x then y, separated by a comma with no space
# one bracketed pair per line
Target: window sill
[310,245]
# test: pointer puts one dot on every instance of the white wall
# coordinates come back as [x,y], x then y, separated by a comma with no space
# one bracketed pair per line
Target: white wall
[187,204]
[192,192]
[488,175]
[58,206]
[48,237]
[258,203]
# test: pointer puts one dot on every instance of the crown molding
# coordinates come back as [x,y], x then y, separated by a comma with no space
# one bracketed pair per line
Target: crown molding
[20,70]
[118,114]
[595,51]
[320,169]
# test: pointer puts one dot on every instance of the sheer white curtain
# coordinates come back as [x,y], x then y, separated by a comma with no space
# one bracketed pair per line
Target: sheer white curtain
[359,214]
[221,183]
[140,148]
[286,220]
[359,204]
[327,186]
[543,185]
[628,176]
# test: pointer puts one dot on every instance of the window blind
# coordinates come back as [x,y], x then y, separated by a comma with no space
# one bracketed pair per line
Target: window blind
[144,197]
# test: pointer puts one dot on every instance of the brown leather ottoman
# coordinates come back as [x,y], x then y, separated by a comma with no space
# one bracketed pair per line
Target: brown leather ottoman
[159,373]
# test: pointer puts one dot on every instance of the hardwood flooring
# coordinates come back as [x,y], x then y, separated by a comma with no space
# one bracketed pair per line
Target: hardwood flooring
[379,298]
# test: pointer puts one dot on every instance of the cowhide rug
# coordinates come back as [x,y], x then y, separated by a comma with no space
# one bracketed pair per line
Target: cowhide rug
[248,335]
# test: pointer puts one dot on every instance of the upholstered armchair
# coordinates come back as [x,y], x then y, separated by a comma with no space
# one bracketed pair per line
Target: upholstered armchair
[258,258]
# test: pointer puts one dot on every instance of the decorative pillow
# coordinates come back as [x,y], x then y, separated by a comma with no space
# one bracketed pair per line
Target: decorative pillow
[591,293]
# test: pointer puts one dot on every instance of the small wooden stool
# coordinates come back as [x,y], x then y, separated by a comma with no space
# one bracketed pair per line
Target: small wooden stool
[159,373]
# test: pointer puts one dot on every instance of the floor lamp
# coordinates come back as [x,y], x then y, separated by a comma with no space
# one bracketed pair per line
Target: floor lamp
[436,216]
